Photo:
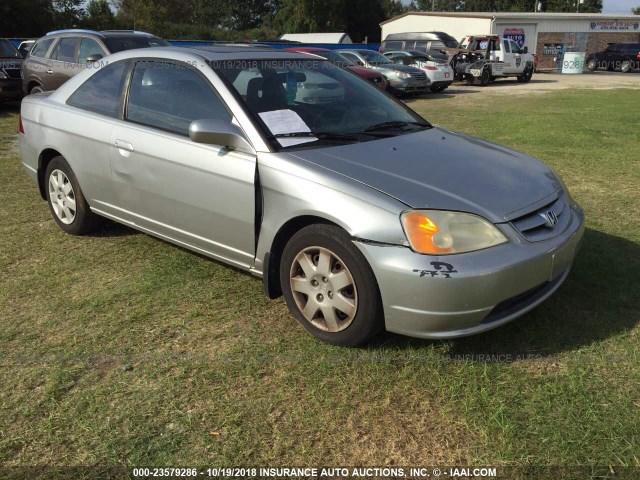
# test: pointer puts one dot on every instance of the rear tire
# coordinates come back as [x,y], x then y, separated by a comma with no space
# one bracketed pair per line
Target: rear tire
[36,89]
[485,78]
[329,286]
[625,67]
[592,65]
[66,201]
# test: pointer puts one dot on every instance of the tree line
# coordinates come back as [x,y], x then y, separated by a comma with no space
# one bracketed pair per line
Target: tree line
[242,19]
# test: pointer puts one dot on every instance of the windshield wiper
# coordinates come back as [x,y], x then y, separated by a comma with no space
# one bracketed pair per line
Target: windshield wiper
[395,125]
[319,135]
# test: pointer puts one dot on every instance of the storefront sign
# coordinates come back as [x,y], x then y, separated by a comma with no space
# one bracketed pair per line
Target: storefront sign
[515,34]
[554,49]
[615,26]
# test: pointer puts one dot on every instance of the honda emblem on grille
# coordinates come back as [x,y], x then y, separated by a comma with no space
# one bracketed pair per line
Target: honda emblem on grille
[550,218]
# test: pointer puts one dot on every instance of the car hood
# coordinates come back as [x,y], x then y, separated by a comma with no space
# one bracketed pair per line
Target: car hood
[440,169]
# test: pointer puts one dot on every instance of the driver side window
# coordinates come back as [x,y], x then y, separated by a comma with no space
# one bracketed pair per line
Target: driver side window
[514,47]
[169,96]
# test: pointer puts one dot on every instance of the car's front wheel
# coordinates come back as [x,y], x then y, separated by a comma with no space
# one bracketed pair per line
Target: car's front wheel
[526,75]
[66,201]
[329,286]
[36,89]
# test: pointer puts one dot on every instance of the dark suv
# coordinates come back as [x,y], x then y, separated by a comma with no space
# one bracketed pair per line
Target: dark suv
[617,56]
[10,64]
[59,55]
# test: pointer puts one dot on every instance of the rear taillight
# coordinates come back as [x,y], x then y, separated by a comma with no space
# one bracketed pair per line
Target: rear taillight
[638,56]
[20,127]
[431,68]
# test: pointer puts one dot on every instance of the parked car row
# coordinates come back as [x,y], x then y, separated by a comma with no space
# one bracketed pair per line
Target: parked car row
[408,63]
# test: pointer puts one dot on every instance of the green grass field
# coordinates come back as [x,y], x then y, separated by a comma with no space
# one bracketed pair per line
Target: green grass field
[223,376]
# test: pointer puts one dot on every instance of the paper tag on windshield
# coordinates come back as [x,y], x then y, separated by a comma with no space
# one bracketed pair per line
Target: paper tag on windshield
[286,121]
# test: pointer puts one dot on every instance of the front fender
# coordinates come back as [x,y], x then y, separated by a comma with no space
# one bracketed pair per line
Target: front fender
[290,191]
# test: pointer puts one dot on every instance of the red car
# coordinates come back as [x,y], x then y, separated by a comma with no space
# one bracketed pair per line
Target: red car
[334,57]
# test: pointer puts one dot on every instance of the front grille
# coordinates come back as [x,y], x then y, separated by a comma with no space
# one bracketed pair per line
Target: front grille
[535,227]
[13,72]
[418,75]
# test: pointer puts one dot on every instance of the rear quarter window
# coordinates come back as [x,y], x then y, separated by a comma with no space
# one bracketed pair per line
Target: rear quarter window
[41,47]
[102,91]
[392,45]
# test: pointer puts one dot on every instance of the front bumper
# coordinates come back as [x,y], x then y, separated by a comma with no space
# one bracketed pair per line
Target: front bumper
[10,89]
[458,295]
[409,85]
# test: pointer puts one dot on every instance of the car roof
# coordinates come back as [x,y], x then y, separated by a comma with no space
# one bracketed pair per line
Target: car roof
[214,53]
[307,49]
[101,34]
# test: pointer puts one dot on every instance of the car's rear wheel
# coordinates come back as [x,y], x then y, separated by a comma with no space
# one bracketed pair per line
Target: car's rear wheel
[329,286]
[592,65]
[66,201]
[36,89]
[625,67]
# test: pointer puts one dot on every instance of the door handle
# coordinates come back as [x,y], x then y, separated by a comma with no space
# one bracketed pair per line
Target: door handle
[122,145]
[50,72]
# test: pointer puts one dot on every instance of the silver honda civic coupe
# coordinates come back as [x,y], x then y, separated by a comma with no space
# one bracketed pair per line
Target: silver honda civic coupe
[341,198]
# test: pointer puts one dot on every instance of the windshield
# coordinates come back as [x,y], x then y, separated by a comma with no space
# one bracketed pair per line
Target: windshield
[374,57]
[7,50]
[307,103]
[118,44]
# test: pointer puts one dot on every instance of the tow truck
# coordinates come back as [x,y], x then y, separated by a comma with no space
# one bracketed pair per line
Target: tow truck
[481,59]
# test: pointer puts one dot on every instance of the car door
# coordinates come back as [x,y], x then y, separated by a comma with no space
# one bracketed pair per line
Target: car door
[34,68]
[63,62]
[508,56]
[201,196]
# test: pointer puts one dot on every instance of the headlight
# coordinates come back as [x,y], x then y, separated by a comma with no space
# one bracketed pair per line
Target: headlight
[3,75]
[403,75]
[438,232]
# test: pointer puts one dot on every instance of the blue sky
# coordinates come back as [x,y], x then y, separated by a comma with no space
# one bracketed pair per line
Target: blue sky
[619,6]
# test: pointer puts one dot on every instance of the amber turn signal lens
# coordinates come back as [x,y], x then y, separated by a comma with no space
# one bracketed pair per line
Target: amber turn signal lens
[421,232]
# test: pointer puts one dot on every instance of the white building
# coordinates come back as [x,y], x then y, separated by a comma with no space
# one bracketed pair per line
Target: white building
[543,33]
[317,37]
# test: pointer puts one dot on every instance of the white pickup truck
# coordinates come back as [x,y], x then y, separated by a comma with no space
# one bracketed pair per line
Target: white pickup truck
[484,58]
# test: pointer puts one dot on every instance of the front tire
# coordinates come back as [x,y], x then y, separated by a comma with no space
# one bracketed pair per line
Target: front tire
[66,201]
[36,89]
[329,286]
[527,73]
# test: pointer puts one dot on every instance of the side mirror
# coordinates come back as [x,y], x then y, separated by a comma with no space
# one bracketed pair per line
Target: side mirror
[219,132]
[526,50]
[94,58]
